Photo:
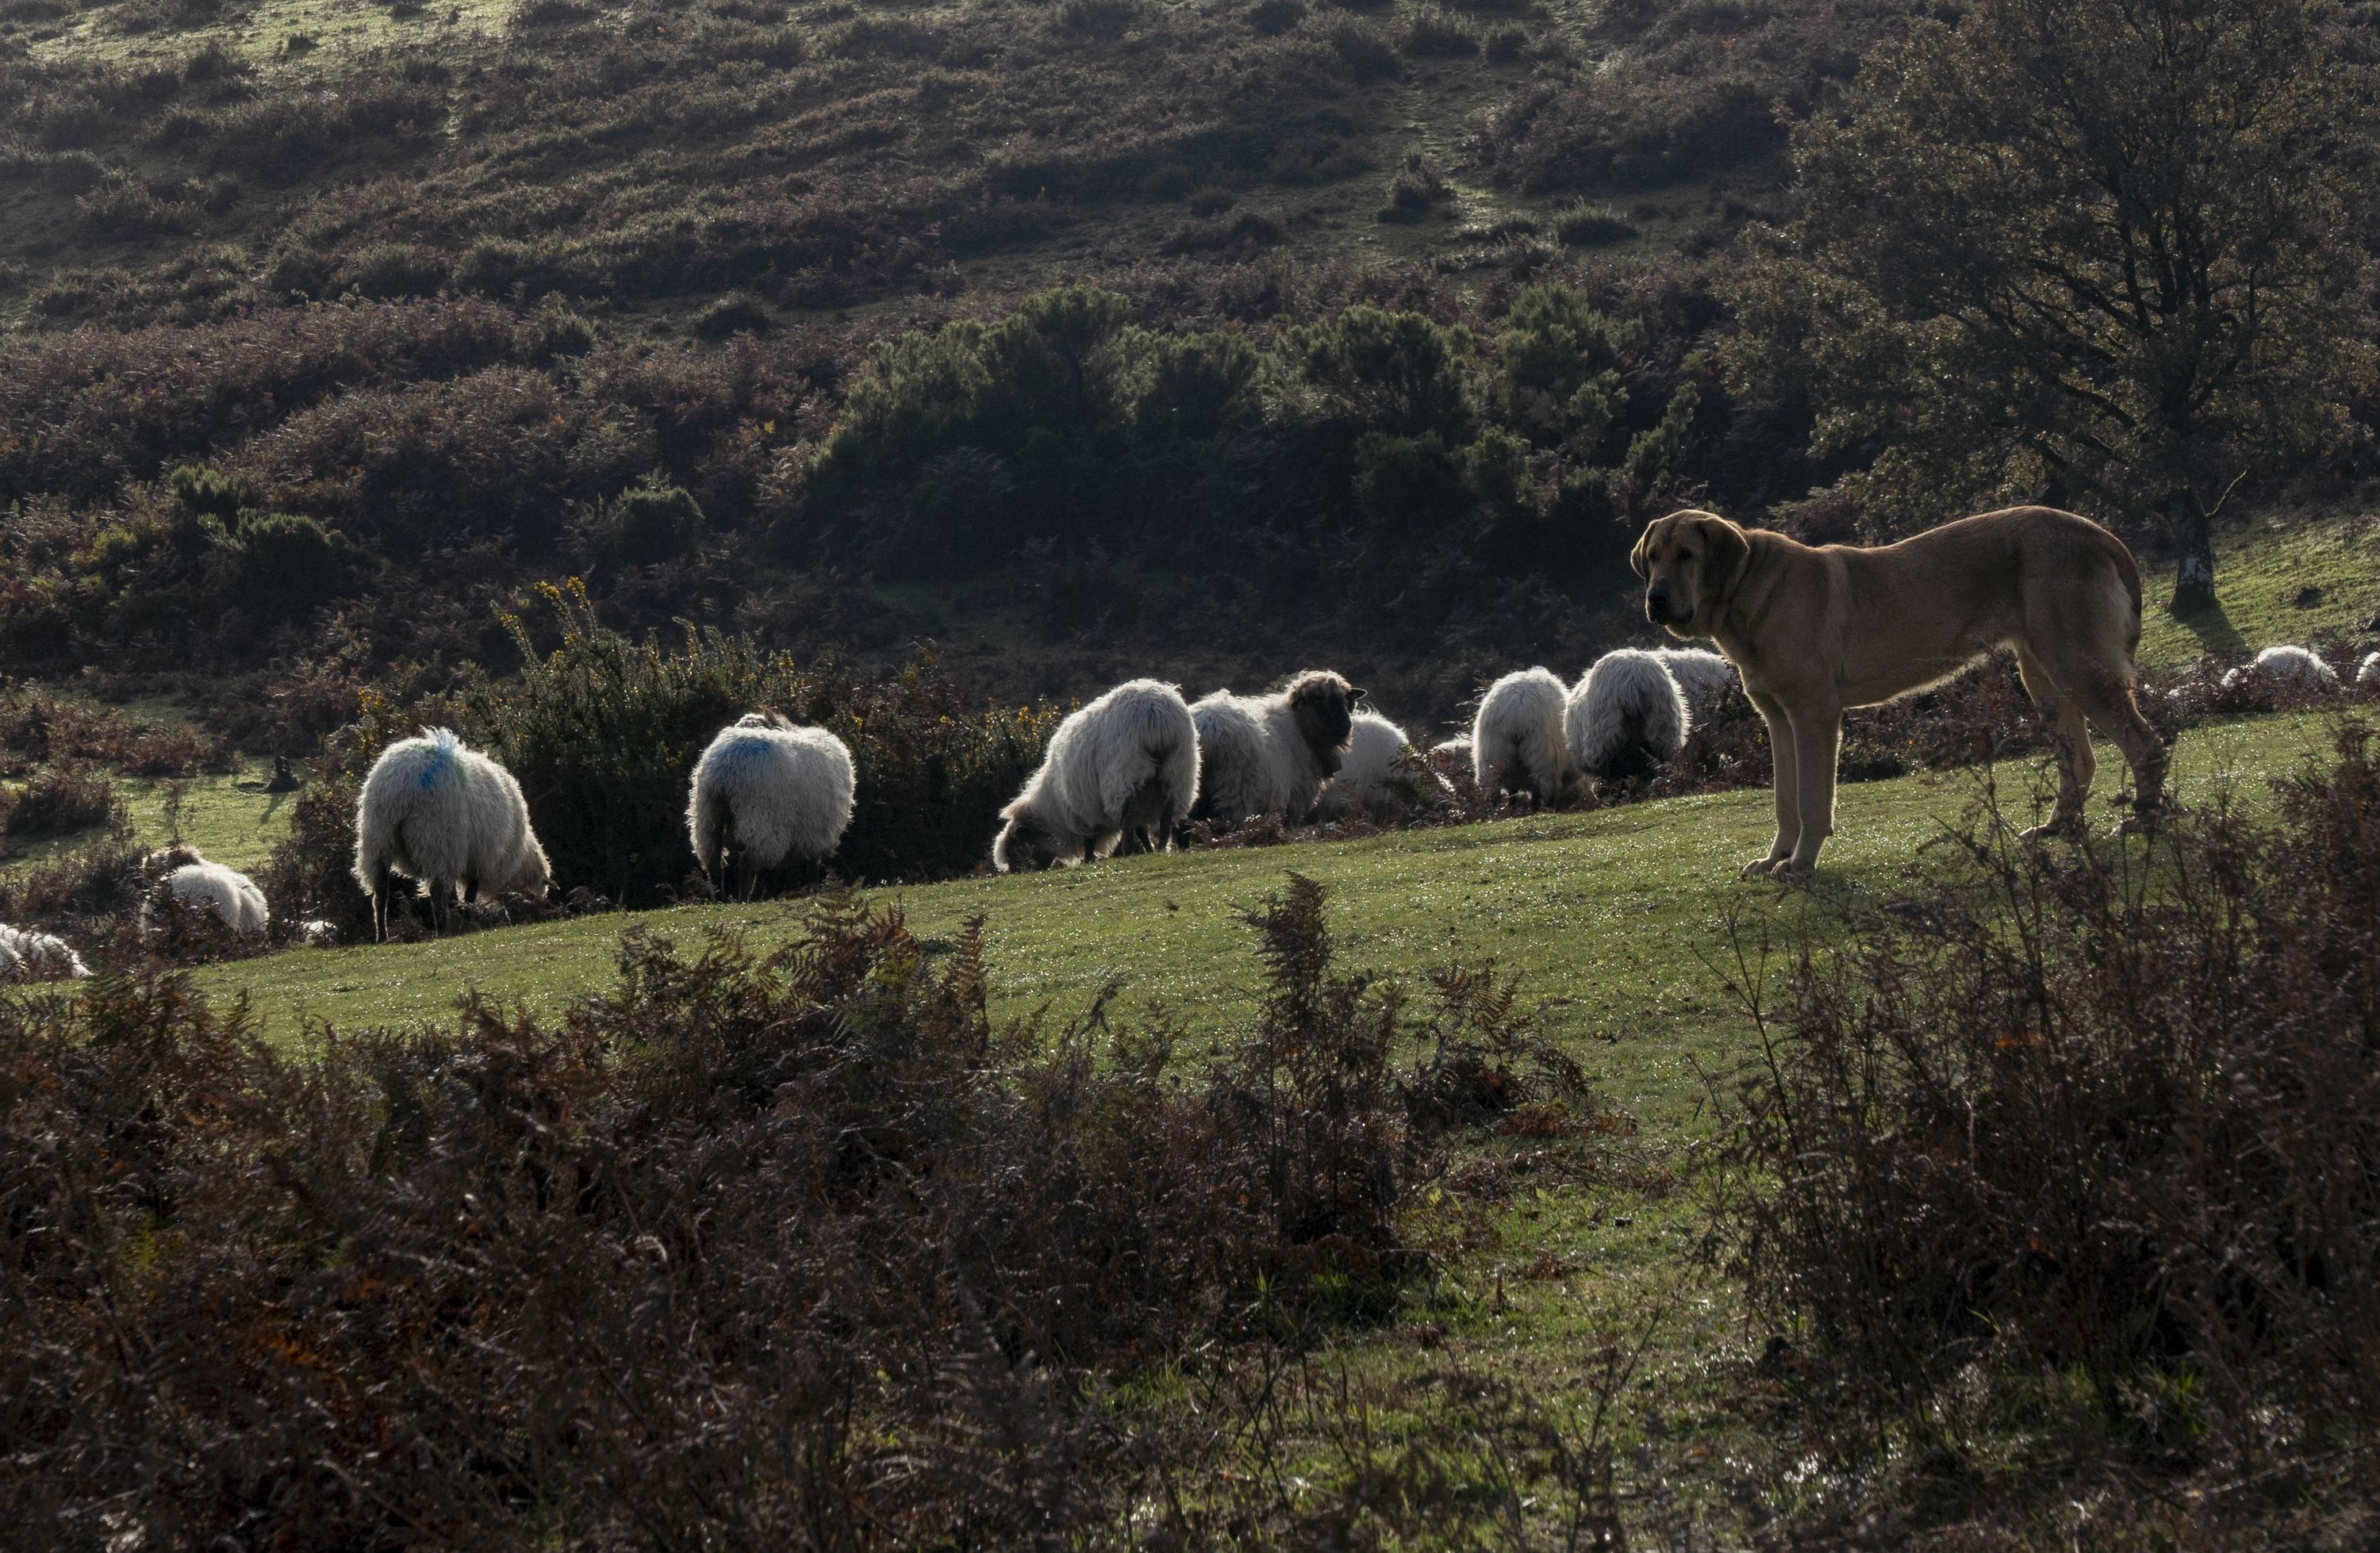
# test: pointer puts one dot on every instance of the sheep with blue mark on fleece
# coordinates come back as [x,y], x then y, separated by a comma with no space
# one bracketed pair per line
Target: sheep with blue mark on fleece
[765,791]
[1120,773]
[435,811]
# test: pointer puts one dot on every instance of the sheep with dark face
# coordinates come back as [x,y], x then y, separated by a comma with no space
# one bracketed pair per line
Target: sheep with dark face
[450,817]
[1516,742]
[1119,775]
[32,957]
[765,791]
[1272,754]
[199,885]
[1625,716]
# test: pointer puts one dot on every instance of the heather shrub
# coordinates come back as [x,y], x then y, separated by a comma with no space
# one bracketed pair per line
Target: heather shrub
[2089,1133]
[62,798]
[793,1250]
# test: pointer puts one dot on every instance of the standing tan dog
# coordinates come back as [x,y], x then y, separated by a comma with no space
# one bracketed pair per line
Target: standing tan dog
[1814,631]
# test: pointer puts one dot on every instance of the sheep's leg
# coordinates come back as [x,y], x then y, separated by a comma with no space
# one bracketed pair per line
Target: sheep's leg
[383,883]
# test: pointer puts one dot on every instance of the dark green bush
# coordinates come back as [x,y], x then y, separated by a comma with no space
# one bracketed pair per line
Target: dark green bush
[289,557]
[655,523]
[1432,33]
[1558,378]
[1585,226]
[1399,372]
[604,731]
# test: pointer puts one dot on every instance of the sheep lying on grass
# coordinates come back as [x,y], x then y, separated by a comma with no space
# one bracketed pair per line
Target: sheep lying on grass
[31,956]
[767,791]
[1706,677]
[449,817]
[1120,773]
[1380,770]
[1626,715]
[198,884]
[1516,741]
[1272,754]
[2287,665]
[2368,672]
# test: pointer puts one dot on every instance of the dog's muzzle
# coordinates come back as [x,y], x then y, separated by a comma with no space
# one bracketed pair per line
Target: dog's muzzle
[1657,609]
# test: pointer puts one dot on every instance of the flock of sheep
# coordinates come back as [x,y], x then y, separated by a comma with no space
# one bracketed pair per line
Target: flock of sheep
[1122,775]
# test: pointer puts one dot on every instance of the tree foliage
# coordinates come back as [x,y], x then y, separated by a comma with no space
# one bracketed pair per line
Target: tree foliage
[2089,248]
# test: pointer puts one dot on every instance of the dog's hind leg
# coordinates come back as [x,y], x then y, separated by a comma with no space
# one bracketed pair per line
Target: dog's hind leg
[2069,737]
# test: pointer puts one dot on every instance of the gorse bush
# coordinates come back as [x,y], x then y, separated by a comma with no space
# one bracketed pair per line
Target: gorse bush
[603,734]
[793,1250]
[2073,1134]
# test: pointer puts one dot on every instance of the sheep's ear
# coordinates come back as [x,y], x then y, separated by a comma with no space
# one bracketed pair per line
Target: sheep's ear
[1727,550]
[1354,696]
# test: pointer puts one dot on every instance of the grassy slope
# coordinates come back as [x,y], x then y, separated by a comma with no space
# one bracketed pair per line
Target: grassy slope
[2260,565]
[1603,913]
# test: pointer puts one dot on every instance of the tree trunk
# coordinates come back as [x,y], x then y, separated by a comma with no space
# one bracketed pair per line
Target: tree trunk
[2193,552]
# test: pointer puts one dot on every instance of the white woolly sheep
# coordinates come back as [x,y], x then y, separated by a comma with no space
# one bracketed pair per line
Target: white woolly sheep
[2368,672]
[1380,768]
[2288,665]
[316,932]
[1625,714]
[767,791]
[449,817]
[1457,748]
[37,956]
[1119,775]
[1272,754]
[1706,677]
[1516,741]
[199,885]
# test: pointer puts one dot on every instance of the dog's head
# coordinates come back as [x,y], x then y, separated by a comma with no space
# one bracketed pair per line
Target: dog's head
[1324,705]
[1688,560]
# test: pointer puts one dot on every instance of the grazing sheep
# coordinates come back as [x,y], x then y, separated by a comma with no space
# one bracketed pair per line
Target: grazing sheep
[767,791]
[1516,741]
[1120,773]
[1706,677]
[1272,754]
[2288,665]
[199,884]
[449,817]
[1457,748]
[37,956]
[1379,761]
[2368,673]
[1626,715]
[316,932]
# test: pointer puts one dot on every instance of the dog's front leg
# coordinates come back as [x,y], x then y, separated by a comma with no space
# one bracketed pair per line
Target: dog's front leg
[1787,781]
[1817,744]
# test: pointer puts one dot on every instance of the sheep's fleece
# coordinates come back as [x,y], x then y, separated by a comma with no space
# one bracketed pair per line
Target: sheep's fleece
[1120,771]
[771,791]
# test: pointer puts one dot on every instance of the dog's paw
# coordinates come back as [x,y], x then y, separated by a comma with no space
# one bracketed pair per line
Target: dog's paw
[2056,830]
[1761,867]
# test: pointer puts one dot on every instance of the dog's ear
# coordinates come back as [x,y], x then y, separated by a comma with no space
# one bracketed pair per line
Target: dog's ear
[1640,559]
[1725,550]
[1355,698]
